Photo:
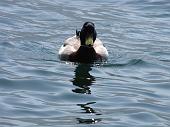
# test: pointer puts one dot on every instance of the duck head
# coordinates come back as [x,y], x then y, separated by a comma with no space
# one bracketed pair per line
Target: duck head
[88,34]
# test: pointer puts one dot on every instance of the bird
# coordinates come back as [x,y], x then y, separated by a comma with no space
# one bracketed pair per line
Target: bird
[84,46]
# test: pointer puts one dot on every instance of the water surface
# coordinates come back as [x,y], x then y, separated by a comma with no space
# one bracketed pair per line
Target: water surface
[39,90]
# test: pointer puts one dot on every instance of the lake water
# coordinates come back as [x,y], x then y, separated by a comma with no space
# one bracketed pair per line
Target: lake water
[131,90]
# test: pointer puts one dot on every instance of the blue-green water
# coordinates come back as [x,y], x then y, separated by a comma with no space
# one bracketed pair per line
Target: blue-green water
[131,90]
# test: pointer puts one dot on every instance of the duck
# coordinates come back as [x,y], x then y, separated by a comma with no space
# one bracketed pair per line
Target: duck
[84,46]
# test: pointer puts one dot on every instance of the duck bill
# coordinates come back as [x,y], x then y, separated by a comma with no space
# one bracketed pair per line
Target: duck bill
[89,41]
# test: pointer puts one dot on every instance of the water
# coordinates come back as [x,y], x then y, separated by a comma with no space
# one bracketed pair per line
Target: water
[130,90]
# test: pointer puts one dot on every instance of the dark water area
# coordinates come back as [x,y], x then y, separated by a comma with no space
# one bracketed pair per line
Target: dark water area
[131,90]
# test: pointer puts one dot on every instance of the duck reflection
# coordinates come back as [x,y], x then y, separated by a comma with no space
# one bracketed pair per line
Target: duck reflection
[87,109]
[83,80]
[88,121]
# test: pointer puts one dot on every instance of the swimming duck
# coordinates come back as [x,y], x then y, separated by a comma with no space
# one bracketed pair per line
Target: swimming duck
[84,47]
